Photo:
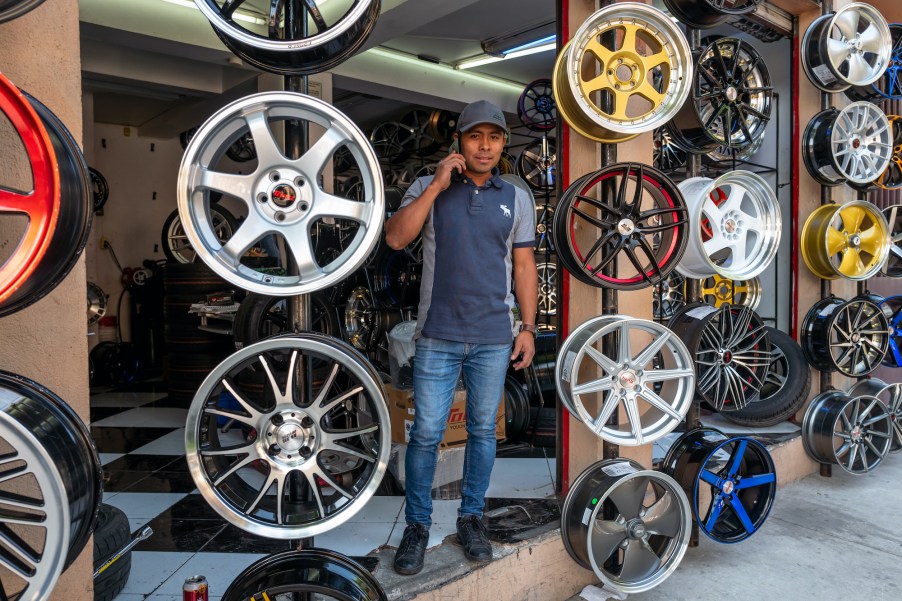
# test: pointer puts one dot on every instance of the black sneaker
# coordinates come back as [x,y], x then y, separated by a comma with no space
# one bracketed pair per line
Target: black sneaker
[409,556]
[471,533]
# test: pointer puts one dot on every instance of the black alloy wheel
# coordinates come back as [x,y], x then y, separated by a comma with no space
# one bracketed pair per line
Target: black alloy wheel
[704,14]
[849,337]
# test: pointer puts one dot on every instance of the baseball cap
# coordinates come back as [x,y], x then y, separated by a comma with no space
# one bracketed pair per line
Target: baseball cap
[481,111]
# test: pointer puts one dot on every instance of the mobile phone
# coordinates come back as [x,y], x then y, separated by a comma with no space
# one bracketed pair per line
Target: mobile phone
[455,147]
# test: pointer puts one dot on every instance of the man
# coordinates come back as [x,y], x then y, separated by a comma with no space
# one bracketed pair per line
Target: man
[476,229]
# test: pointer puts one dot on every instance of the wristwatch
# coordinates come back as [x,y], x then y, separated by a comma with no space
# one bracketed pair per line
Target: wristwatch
[528,327]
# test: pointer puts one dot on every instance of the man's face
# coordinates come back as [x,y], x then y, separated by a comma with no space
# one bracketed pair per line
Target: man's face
[481,147]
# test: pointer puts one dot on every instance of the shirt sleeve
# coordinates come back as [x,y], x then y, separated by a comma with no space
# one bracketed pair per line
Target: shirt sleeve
[414,191]
[525,227]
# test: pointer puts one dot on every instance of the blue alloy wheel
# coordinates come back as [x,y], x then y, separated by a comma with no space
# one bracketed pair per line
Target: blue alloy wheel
[892,309]
[740,474]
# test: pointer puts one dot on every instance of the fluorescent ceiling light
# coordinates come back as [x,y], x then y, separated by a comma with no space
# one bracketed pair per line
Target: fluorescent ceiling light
[527,49]
[238,16]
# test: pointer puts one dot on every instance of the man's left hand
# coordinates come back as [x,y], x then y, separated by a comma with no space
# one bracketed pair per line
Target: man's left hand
[524,349]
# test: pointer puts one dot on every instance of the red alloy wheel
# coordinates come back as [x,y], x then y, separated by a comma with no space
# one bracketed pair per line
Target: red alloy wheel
[41,205]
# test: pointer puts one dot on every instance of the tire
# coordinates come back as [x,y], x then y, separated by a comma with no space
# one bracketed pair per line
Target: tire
[516,408]
[111,533]
[261,316]
[778,402]
[192,278]
[229,226]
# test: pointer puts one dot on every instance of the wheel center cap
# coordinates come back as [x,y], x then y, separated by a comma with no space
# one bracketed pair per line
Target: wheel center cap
[856,337]
[855,240]
[727,487]
[284,195]
[290,437]
[636,529]
[626,227]
[855,434]
[729,226]
[628,379]
[856,143]
[732,94]
[727,356]
[541,228]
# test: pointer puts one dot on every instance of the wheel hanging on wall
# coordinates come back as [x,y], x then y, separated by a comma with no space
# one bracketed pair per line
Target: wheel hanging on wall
[631,363]
[667,156]
[891,396]
[852,432]
[629,525]
[360,319]
[718,291]
[612,92]
[283,196]
[731,350]
[242,150]
[442,125]
[99,188]
[53,483]
[850,337]
[854,145]
[731,482]
[544,227]
[849,241]
[738,234]
[97,300]
[414,135]
[892,310]
[785,387]
[704,14]
[850,47]
[337,33]
[889,86]
[891,178]
[325,574]
[547,288]
[722,153]
[627,214]
[386,141]
[13,9]
[536,107]
[731,99]
[536,164]
[668,296]
[893,266]
[175,244]
[279,437]
[396,280]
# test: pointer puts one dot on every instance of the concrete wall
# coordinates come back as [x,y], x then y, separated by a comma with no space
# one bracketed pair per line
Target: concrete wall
[46,341]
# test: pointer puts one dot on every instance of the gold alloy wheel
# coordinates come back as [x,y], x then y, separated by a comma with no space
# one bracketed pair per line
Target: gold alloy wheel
[718,291]
[626,71]
[849,241]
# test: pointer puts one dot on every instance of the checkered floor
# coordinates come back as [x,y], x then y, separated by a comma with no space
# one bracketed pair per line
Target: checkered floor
[140,438]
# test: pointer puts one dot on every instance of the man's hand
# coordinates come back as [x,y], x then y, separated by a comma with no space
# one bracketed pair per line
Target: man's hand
[524,345]
[452,162]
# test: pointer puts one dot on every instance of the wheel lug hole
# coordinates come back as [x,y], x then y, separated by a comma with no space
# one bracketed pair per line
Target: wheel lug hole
[262,198]
[274,450]
[303,206]
[274,176]
[277,419]
[307,422]
[280,216]
[299,182]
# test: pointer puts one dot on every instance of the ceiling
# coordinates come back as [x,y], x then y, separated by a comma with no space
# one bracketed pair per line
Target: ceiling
[158,66]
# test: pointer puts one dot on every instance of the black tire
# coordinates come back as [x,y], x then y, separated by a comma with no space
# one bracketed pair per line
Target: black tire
[516,408]
[783,394]
[192,278]
[111,533]
[99,188]
[261,316]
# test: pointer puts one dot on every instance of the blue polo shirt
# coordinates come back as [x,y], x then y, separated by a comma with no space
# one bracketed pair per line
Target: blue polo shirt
[466,292]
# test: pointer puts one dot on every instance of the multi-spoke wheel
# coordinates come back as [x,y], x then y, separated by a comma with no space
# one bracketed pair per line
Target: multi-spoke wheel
[536,107]
[850,47]
[413,134]
[731,99]
[298,574]
[893,266]
[703,14]
[854,433]
[731,350]
[273,36]
[892,310]
[891,396]
[13,9]
[536,164]
[735,226]
[733,154]
[361,327]
[849,241]
[283,194]
[849,337]
[627,215]
[633,364]
[854,145]
[50,490]
[731,482]
[718,291]
[669,296]
[627,70]
[667,155]
[176,246]
[629,525]
[386,141]
[301,454]
[547,288]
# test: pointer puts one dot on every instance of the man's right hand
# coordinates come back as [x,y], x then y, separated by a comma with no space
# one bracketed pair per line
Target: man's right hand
[453,162]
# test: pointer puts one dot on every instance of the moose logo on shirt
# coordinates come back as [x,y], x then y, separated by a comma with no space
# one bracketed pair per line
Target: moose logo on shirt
[505,210]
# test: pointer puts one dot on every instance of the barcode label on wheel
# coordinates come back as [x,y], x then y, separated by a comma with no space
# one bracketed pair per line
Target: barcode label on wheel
[621,468]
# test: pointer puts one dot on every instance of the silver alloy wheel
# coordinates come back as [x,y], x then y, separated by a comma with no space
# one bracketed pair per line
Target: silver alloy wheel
[891,396]
[547,288]
[669,296]
[96,303]
[629,525]
[851,432]
[177,241]
[851,47]
[659,35]
[283,196]
[861,141]
[737,236]
[625,362]
[279,436]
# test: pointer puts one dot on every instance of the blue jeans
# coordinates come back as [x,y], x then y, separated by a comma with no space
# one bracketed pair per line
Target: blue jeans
[436,370]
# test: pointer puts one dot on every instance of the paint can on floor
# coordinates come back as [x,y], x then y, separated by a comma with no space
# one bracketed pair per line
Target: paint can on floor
[195,589]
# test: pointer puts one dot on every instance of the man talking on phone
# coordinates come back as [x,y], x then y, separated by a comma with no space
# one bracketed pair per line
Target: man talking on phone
[478,234]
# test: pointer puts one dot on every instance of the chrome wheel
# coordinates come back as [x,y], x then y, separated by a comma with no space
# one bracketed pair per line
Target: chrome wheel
[849,240]
[669,296]
[893,266]
[273,472]
[613,91]
[853,433]
[719,291]
[547,288]
[96,303]
[536,164]
[631,363]
[629,525]
[361,324]
[735,226]
[667,155]
[283,195]
[850,47]
[850,337]
[731,350]
[891,396]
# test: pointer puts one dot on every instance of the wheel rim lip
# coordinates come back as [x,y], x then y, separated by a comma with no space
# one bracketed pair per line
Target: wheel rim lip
[190,205]
[696,263]
[875,18]
[832,326]
[808,40]
[893,213]
[817,228]
[873,117]
[878,388]
[47,188]
[813,131]
[595,329]
[351,361]
[893,306]
[680,77]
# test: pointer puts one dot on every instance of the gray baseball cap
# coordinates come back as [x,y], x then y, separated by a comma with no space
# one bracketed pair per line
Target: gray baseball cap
[481,111]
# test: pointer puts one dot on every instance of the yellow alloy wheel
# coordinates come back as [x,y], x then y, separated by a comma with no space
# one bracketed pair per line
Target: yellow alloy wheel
[850,241]
[718,291]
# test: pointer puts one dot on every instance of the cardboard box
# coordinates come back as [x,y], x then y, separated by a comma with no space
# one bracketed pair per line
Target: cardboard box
[449,469]
[401,411]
